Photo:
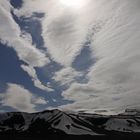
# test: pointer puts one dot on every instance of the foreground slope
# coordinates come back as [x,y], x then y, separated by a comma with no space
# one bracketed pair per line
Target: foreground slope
[57,123]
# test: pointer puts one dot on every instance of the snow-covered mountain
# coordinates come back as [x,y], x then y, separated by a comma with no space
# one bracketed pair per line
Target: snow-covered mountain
[56,122]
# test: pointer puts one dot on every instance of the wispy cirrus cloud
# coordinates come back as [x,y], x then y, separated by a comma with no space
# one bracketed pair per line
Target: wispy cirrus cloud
[64,32]
[112,32]
[21,42]
[113,79]
[32,73]
[11,35]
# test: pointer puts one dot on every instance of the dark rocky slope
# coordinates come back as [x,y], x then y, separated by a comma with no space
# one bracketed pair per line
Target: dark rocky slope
[59,125]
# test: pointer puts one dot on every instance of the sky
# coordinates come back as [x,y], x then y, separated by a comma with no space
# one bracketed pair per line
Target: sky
[77,55]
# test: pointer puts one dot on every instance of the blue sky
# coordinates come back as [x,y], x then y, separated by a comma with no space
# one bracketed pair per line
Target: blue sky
[71,55]
[11,71]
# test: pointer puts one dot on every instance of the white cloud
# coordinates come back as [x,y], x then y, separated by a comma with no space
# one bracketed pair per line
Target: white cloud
[64,31]
[29,7]
[21,42]
[87,98]
[31,71]
[64,36]
[40,101]
[20,98]
[11,35]
[114,80]
[66,76]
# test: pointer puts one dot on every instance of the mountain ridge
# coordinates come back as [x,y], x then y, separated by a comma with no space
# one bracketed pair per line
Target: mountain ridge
[58,123]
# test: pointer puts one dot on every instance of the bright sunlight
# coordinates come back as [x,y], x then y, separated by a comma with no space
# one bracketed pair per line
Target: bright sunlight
[73,3]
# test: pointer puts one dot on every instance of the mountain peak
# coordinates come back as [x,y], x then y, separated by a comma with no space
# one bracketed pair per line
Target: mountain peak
[54,122]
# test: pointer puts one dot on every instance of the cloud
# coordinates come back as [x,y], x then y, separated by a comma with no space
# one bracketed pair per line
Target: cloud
[64,32]
[66,76]
[11,35]
[31,71]
[20,98]
[64,37]
[40,101]
[114,79]
[87,97]
[21,42]
[112,28]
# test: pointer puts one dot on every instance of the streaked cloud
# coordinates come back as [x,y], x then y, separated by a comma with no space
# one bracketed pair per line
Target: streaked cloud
[110,31]
[21,42]
[113,79]
[11,35]
[66,76]
[32,73]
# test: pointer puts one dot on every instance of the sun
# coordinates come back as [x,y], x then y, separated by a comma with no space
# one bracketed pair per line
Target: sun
[73,3]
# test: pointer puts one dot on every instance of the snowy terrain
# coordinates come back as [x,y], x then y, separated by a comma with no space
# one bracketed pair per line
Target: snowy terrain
[58,122]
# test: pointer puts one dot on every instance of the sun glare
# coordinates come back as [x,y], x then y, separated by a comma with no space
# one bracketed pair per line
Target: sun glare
[73,3]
